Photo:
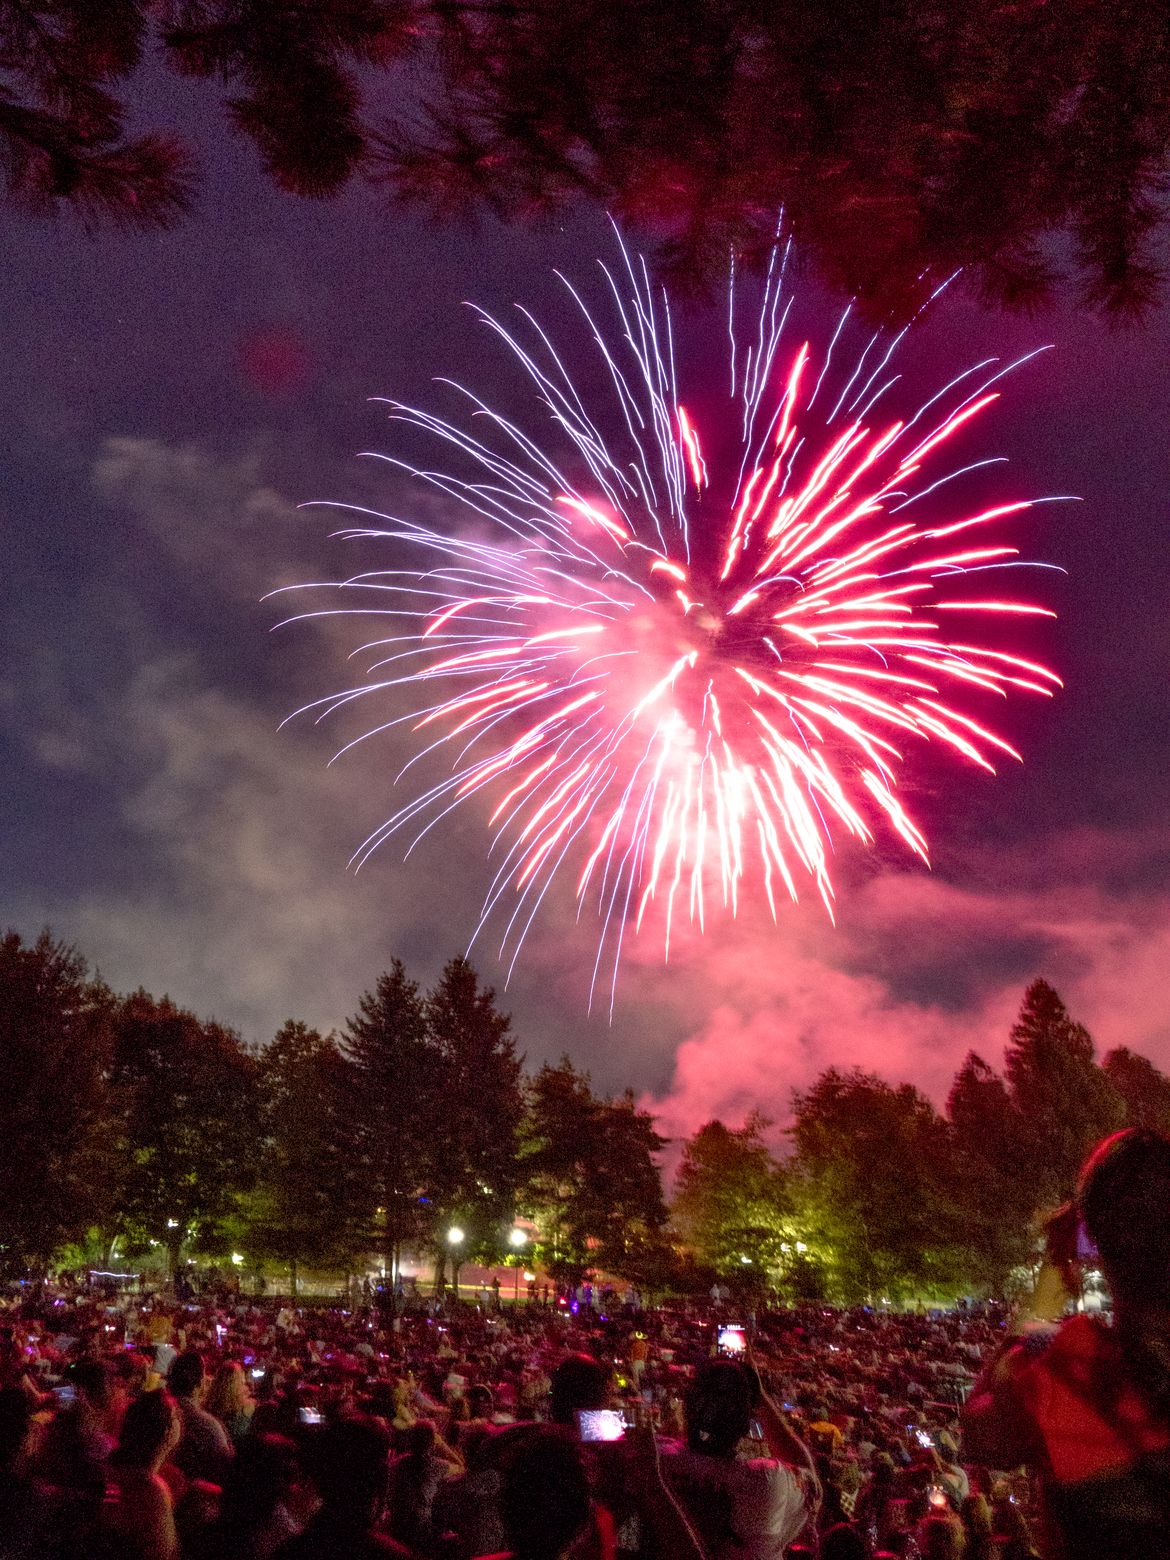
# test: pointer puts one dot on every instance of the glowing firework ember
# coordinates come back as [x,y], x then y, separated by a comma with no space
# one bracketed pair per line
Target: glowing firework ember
[667,673]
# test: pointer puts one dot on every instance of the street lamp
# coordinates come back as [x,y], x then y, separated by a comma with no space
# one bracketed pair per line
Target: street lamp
[517,1238]
[455,1240]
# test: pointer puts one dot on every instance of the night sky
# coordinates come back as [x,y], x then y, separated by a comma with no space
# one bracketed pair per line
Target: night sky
[168,402]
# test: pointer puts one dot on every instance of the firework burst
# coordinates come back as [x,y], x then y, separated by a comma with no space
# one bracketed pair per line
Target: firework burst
[660,675]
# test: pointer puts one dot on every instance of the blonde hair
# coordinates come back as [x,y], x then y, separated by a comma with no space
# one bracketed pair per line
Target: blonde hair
[228,1394]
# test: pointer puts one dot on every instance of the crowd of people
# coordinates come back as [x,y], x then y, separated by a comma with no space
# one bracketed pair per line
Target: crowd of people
[149,1427]
[144,1426]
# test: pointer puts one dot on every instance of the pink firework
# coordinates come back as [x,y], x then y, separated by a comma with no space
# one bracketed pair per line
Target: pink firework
[663,676]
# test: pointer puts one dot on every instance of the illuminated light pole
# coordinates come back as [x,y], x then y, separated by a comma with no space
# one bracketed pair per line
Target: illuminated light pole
[455,1240]
[517,1239]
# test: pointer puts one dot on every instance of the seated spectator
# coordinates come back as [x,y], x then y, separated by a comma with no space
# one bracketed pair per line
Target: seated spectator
[229,1400]
[941,1538]
[843,1542]
[578,1383]
[975,1515]
[744,1509]
[416,1478]
[468,1507]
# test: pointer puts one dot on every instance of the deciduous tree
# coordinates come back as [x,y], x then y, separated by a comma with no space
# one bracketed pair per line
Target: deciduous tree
[187,1096]
[304,1204]
[592,1182]
[56,1139]
[873,1162]
[730,1201]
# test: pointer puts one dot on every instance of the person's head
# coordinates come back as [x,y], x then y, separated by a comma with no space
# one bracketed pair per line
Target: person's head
[1123,1196]
[349,1464]
[579,1382]
[150,1432]
[15,1421]
[544,1495]
[185,1376]
[976,1515]
[91,1381]
[228,1393]
[882,1469]
[718,1408]
[479,1402]
[942,1539]
[843,1542]
[261,1474]
[419,1440]
[131,1370]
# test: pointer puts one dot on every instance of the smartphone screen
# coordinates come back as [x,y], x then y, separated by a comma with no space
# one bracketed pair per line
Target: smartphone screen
[311,1416]
[731,1340]
[600,1424]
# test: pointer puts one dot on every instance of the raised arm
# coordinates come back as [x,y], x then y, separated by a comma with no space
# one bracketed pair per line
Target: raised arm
[781,1438]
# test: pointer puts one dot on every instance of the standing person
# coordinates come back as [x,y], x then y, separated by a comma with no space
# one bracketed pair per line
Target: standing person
[263,1505]
[416,1478]
[204,1450]
[639,1354]
[349,1464]
[77,1442]
[28,1525]
[1085,1404]
[138,1519]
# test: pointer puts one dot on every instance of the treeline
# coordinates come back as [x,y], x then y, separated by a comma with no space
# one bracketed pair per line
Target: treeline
[884,1196]
[127,1120]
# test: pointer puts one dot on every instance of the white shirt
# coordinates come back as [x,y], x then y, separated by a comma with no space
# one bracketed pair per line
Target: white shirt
[745,1508]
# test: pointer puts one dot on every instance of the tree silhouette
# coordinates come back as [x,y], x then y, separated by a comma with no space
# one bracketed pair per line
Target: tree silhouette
[902,142]
[873,1161]
[990,1168]
[56,1156]
[1144,1089]
[396,1080]
[1065,1101]
[477,1119]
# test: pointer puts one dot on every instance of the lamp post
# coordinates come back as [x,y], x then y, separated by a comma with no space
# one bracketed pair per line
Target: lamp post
[517,1239]
[455,1240]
